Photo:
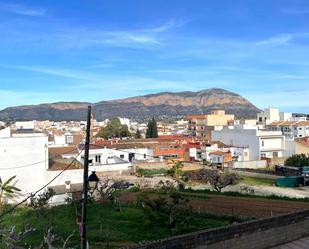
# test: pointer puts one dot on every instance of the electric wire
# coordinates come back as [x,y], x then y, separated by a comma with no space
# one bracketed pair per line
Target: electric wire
[32,164]
[37,191]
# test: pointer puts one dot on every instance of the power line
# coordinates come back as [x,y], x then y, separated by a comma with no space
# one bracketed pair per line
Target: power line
[31,164]
[34,193]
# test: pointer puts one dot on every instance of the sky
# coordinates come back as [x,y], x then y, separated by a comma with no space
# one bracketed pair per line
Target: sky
[81,50]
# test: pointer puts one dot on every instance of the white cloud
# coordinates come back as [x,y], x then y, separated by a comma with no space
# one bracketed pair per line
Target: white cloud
[22,9]
[142,37]
[276,40]
[66,73]
[282,39]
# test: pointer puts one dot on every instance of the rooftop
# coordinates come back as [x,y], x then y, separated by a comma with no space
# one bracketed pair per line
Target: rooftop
[290,123]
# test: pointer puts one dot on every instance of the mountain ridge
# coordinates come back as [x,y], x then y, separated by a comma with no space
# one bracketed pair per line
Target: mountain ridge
[160,105]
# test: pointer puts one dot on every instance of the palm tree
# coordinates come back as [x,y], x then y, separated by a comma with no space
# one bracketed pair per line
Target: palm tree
[7,190]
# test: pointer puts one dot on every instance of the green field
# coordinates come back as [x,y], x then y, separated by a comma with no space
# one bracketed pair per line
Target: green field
[108,227]
[257,181]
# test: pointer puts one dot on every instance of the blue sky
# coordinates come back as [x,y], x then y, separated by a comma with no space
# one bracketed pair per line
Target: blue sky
[74,50]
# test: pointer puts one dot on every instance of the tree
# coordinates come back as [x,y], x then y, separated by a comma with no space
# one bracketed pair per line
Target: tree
[138,134]
[176,170]
[7,190]
[217,180]
[114,129]
[152,130]
[298,160]
[169,208]
[11,239]
[40,202]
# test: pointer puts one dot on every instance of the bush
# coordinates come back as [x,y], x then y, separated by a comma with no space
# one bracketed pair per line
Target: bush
[298,160]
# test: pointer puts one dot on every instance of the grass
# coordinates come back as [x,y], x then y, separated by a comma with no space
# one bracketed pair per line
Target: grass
[152,172]
[257,181]
[106,225]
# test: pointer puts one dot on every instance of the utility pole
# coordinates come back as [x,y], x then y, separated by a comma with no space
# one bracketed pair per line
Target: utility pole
[85,184]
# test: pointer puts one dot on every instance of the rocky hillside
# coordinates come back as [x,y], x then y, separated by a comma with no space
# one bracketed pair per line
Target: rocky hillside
[161,105]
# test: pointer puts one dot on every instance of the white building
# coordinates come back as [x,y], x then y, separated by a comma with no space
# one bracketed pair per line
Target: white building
[268,116]
[26,157]
[237,153]
[260,143]
[107,156]
[286,116]
[25,125]
[291,129]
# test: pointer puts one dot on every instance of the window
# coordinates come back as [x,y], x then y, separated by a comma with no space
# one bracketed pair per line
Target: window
[122,156]
[275,154]
[263,143]
[145,156]
[98,159]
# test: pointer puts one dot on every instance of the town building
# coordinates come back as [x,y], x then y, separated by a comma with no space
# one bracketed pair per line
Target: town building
[24,155]
[291,129]
[221,158]
[260,143]
[302,146]
[25,125]
[270,115]
[202,125]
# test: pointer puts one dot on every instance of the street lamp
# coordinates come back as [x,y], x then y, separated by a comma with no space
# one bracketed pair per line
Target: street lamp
[93,181]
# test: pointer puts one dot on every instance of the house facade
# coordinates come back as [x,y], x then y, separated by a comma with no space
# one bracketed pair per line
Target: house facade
[202,125]
[291,129]
[26,157]
[260,143]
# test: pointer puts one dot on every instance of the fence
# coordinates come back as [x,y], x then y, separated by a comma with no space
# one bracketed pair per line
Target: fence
[259,234]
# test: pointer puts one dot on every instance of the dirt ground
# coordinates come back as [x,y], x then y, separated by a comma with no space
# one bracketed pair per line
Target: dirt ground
[252,207]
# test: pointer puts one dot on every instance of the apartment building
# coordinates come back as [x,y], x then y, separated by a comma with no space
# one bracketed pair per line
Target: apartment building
[24,155]
[259,143]
[270,115]
[202,125]
[291,129]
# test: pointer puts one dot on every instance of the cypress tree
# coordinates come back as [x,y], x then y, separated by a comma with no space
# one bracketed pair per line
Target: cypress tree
[154,132]
[138,134]
[149,129]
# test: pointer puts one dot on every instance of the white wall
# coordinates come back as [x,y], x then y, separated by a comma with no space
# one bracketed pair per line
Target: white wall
[239,138]
[21,151]
[25,125]
[5,133]
[290,148]
[140,152]
[268,116]
[60,140]
[285,116]
[252,138]
[76,175]
[250,164]
[271,143]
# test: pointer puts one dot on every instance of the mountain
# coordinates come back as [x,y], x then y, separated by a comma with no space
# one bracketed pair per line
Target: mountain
[160,105]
